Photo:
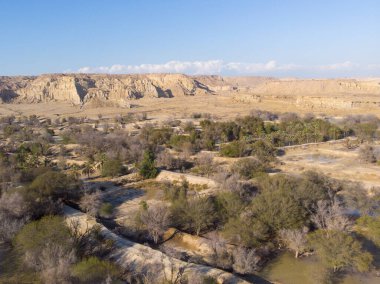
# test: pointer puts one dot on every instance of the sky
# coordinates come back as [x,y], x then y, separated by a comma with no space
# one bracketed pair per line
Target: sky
[282,38]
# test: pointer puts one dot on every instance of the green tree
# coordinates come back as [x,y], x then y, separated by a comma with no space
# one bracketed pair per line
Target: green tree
[146,167]
[46,246]
[94,270]
[246,231]
[338,250]
[35,235]
[249,168]
[228,205]
[54,184]
[112,167]
[234,149]
[196,214]
[369,227]
[278,209]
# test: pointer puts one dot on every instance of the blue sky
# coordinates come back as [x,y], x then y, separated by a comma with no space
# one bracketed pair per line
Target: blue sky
[335,38]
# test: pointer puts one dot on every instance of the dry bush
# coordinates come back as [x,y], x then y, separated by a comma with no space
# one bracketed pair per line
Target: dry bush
[288,116]
[9,227]
[229,182]
[367,154]
[13,203]
[329,215]
[168,161]
[245,261]
[55,264]
[187,149]
[91,202]
[264,115]
[156,220]
[13,214]
[205,163]
[295,240]
[220,256]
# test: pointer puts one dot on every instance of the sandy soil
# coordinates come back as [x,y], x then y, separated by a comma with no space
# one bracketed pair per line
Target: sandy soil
[333,160]
[222,106]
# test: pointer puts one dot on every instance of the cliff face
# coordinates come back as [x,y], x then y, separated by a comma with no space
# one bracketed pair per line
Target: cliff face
[81,89]
[332,94]
[319,87]
[119,90]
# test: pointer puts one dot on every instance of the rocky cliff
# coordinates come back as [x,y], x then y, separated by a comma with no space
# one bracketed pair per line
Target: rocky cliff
[332,94]
[119,90]
[111,89]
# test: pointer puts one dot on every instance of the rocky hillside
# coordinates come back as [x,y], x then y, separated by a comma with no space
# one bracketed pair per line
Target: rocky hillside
[119,90]
[109,89]
[332,93]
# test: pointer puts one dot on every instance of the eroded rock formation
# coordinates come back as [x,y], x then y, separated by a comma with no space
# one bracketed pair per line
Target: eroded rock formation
[112,89]
[119,90]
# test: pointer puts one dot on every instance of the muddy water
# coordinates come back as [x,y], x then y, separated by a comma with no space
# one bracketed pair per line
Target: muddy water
[286,269]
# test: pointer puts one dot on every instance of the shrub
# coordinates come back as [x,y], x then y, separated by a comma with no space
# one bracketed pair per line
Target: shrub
[46,246]
[338,250]
[370,228]
[234,149]
[205,165]
[112,168]
[367,154]
[249,168]
[146,167]
[94,270]
[106,210]
[91,203]
[278,209]
[54,184]
[264,151]
[169,161]
[195,215]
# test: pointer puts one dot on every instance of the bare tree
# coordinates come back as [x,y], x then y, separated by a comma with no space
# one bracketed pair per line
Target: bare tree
[169,161]
[13,203]
[294,240]
[220,256]
[91,202]
[55,264]
[13,214]
[156,219]
[9,227]
[227,181]
[245,260]
[329,215]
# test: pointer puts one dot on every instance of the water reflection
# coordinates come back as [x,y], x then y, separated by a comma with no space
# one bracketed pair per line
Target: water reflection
[286,269]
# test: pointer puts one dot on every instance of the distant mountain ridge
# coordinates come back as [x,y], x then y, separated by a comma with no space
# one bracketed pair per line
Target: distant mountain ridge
[120,90]
[89,88]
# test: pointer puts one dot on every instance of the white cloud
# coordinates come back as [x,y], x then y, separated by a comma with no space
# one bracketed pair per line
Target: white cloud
[192,67]
[222,67]
[338,66]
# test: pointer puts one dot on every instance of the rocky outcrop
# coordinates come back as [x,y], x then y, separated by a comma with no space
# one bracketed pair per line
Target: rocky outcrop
[319,94]
[136,257]
[110,89]
[119,90]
